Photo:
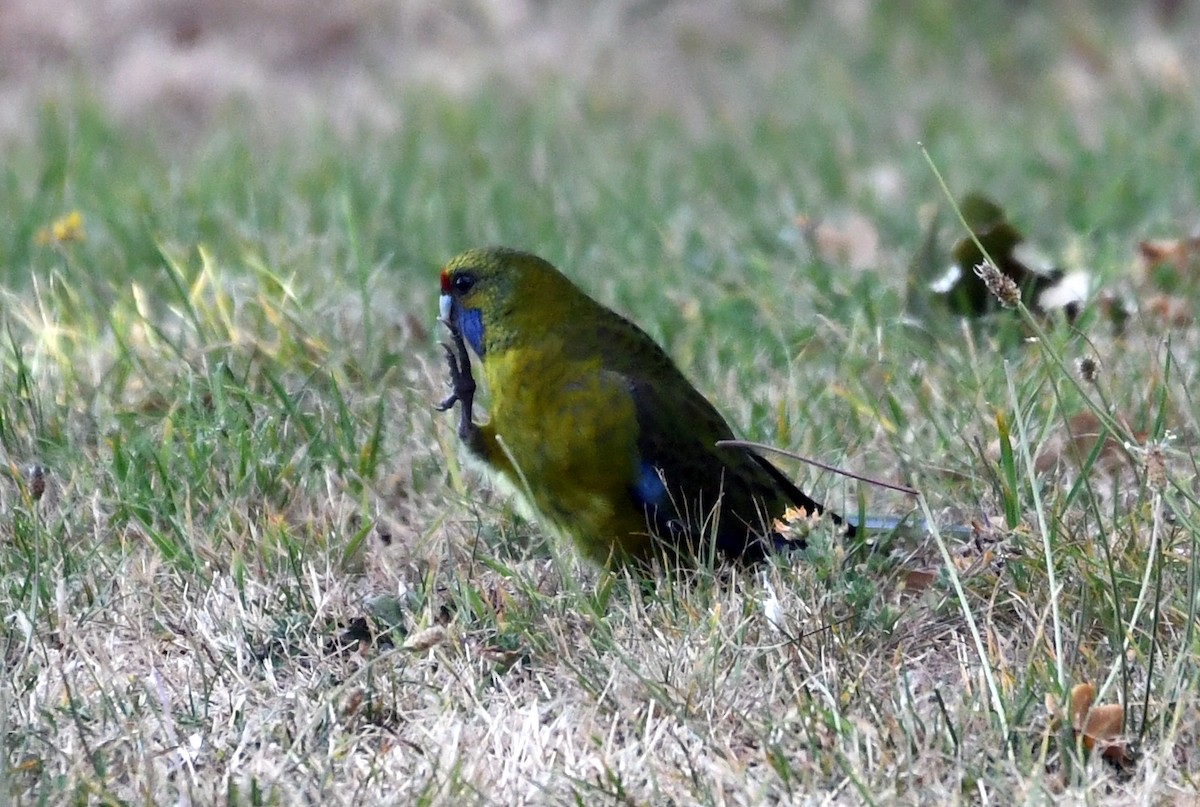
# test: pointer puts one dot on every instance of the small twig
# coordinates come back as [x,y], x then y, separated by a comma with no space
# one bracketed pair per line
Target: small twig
[819,464]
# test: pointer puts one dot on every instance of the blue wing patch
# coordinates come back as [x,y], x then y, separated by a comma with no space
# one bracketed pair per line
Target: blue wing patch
[649,488]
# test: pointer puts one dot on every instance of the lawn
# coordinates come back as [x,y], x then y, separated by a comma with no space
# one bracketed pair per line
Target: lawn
[242,559]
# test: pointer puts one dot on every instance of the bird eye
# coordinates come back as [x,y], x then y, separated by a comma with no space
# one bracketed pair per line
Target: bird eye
[464,282]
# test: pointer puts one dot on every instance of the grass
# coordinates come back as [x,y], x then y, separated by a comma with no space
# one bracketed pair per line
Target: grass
[228,382]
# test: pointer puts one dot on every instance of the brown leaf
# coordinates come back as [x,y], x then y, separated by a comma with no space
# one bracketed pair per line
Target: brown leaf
[972,564]
[1170,310]
[1103,724]
[353,703]
[1077,441]
[851,241]
[1180,254]
[919,579]
[1100,726]
[426,639]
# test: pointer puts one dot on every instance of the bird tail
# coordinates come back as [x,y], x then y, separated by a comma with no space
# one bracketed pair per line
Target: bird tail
[919,526]
[801,499]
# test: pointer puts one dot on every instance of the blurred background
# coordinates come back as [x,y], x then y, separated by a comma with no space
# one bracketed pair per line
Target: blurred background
[185,62]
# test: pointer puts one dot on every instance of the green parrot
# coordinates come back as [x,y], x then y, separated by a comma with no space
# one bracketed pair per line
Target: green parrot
[593,425]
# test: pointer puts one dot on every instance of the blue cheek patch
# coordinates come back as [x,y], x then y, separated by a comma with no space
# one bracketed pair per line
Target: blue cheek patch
[470,322]
[649,488]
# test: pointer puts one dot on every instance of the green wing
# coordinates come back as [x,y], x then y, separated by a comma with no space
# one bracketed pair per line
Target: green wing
[693,490]
[697,491]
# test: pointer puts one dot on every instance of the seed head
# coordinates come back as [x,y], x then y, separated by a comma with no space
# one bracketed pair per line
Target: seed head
[1000,285]
[1156,467]
[1089,369]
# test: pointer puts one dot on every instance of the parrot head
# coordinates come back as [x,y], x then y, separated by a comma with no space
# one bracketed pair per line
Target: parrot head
[482,288]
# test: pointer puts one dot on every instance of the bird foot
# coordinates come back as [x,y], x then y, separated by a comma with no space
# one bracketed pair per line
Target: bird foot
[462,383]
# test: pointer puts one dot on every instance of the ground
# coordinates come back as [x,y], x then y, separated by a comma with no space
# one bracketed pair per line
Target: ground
[242,559]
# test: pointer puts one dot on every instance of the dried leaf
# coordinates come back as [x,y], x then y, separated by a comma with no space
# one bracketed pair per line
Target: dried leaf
[919,579]
[972,564]
[851,241]
[1170,310]
[353,703]
[1082,697]
[425,639]
[1103,725]
[1076,442]
[1100,726]
[1168,263]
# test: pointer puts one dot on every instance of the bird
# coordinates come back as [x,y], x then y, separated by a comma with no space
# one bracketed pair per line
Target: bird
[595,428]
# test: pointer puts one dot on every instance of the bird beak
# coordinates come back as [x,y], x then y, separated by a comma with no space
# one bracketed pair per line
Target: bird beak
[444,305]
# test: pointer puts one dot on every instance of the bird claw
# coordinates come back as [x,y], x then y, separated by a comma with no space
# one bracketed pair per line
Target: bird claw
[462,382]
[450,400]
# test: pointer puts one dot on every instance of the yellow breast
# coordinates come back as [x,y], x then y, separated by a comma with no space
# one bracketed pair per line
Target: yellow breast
[569,432]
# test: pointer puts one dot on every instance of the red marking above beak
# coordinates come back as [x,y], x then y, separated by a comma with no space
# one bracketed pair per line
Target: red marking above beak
[445,282]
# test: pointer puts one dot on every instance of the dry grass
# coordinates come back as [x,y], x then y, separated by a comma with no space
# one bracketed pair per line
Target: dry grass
[218,663]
